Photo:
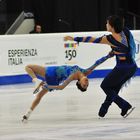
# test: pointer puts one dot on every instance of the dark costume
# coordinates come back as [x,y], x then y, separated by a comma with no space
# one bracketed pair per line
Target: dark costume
[122,72]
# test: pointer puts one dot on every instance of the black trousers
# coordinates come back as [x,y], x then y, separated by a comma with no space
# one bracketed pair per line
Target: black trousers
[113,82]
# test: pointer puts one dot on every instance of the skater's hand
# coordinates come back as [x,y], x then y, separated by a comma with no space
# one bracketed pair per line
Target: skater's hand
[45,86]
[111,53]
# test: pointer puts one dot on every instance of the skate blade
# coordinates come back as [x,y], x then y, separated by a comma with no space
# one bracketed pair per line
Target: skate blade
[24,121]
[38,88]
[129,112]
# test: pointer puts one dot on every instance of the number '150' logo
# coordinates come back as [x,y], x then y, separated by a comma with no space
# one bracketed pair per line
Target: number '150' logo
[70,54]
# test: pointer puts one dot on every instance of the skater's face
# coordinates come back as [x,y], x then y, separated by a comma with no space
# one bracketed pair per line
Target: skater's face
[108,26]
[84,82]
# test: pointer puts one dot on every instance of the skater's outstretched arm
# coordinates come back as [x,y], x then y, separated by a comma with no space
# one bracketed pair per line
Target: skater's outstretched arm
[59,87]
[98,62]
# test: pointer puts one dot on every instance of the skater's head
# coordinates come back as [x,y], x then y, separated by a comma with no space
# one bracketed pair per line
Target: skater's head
[114,24]
[82,84]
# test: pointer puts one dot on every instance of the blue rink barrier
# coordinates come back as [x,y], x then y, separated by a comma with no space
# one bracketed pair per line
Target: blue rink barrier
[24,78]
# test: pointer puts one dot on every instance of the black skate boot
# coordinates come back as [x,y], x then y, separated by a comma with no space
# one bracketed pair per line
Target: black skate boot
[127,110]
[104,109]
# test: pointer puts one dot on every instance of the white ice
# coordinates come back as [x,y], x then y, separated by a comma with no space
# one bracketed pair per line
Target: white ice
[68,114]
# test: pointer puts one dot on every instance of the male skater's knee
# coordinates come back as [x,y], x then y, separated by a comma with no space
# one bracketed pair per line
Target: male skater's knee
[107,88]
[104,86]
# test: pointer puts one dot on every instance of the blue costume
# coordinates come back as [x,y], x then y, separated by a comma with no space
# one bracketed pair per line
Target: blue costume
[121,73]
[55,75]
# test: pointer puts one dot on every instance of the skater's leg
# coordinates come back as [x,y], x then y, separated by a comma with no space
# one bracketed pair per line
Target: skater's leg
[34,71]
[34,104]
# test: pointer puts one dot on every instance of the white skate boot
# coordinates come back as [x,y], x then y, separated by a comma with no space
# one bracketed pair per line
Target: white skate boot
[38,84]
[26,116]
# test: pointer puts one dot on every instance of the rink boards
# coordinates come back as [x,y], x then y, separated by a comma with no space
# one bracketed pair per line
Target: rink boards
[17,51]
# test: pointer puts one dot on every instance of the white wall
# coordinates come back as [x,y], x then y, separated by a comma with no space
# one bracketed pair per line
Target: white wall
[49,49]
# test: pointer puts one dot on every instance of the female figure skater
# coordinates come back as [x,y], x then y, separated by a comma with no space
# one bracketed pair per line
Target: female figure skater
[123,47]
[55,75]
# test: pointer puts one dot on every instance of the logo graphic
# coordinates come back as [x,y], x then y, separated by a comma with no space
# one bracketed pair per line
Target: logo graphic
[137,50]
[70,45]
[70,52]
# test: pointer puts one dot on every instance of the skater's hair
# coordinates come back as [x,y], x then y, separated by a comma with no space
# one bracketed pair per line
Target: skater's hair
[80,87]
[116,22]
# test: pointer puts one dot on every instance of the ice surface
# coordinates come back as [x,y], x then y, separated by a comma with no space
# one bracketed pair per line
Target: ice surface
[68,114]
